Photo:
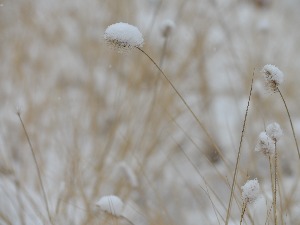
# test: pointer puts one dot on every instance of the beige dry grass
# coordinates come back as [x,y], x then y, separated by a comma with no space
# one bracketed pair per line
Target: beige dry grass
[88,110]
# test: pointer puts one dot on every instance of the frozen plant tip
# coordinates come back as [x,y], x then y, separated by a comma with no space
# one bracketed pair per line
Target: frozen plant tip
[167,28]
[123,37]
[273,77]
[274,131]
[250,191]
[111,204]
[265,144]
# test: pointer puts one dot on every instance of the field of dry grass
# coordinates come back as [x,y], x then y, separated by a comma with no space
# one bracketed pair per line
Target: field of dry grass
[104,123]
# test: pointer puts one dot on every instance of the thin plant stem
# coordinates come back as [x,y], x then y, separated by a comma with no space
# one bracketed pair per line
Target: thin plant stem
[275,186]
[37,168]
[184,102]
[239,154]
[273,189]
[287,110]
[280,195]
[243,212]
[206,184]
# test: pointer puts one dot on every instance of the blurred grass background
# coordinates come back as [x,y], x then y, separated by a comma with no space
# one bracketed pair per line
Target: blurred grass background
[96,118]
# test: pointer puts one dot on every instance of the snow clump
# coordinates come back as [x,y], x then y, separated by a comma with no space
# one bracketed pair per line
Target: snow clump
[111,204]
[274,131]
[123,37]
[265,144]
[250,191]
[273,77]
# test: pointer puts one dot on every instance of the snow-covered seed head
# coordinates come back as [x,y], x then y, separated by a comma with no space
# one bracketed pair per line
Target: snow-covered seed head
[166,28]
[250,191]
[123,37]
[265,144]
[274,131]
[273,77]
[111,204]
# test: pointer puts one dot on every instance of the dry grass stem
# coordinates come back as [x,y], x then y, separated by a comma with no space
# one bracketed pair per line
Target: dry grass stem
[291,123]
[37,168]
[186,104]
[238,155]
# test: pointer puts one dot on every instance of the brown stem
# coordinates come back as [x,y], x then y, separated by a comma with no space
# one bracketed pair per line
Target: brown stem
[272,187]
[239,154]
[287,110]
[187,106]
[243,212]
[275,187]
[37,167]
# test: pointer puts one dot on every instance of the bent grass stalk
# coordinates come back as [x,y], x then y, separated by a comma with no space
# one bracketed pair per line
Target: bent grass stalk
[291,123]
[37,167]
[186,104]
[133,38]
[239,154]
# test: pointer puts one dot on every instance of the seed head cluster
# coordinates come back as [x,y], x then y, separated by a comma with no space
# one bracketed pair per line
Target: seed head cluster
[111,204]
[273,77]
[274,131]
[267,139]
[265,144]
[250,191]
[123,37]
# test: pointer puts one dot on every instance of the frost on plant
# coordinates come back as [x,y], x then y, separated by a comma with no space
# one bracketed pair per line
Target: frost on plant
[274,131]
[250,191]
[265,144]
[123,37]
[273,77]
[166,28]
[111,204]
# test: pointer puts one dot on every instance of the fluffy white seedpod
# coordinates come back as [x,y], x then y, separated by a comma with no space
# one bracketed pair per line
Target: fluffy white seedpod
[250,191]
[166,28]
[273,77]
[123,37]
[274,131]
[265,144]
[111,204]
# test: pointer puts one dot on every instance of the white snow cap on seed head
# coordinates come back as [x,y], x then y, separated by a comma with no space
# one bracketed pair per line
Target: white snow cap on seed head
[274,131]
[265,144]
[123,36]
[166,28]
[250,191]
[273,77]
[111,204]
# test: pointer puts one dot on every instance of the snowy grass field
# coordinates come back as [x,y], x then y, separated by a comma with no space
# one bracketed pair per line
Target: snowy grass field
[89,135]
